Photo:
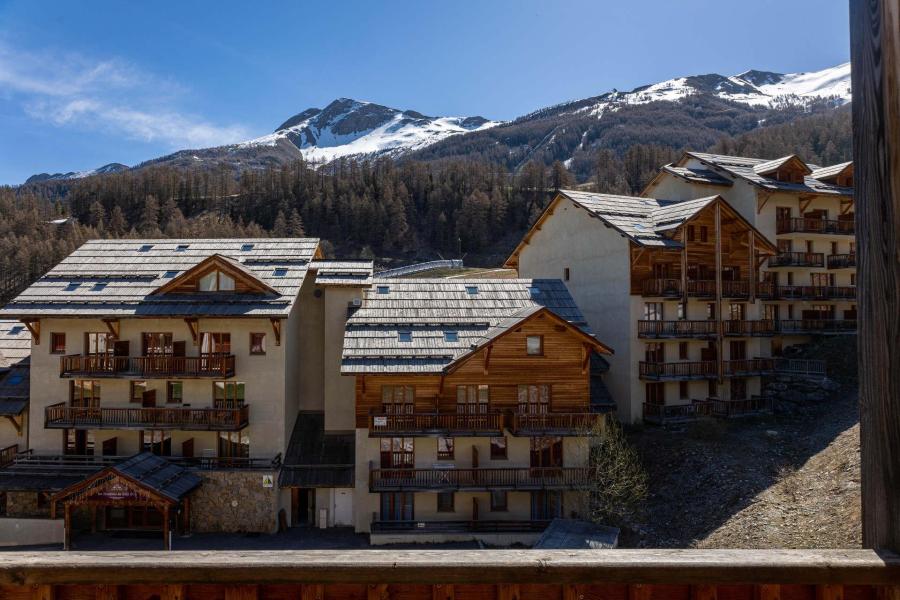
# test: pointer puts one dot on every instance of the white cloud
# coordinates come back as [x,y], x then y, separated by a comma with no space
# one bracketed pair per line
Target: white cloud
[112,96]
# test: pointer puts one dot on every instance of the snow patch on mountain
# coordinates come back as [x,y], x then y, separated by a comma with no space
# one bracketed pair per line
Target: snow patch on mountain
[110,168]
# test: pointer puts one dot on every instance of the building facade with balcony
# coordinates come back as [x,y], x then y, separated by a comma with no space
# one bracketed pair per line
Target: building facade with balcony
[474,407]
[203,352]
[15,352]
[672,287]
[809,286]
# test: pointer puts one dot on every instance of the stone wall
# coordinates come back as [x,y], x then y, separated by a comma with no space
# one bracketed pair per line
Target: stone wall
[25,504]
[235,501]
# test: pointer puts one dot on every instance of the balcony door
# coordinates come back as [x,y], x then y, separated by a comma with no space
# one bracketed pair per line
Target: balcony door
[213,346]
[655,352]
[228,394]
[472,399]
[534,399]
[546,452]
[398,453]
[98,350]
[546,505]
[157,348]
[737,350]
[397,506]
[84,394]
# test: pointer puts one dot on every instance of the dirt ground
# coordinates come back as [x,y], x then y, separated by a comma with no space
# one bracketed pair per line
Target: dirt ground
[787,481]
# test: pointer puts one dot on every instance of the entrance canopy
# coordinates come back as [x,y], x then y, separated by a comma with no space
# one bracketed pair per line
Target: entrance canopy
[143,480]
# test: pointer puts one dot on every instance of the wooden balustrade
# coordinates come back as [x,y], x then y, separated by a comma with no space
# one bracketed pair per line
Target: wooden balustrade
[8,454]
[554,423]
[107,365]
[512,574]
[696,288]
[753,405]
[62,416]
[704,369]
[676,329]
[739,288]
[536,478]
[662,287]
[812,225]
[769,291]
[749,366]
[761,327]
[800,366]
[842,261]
[797,259]
[430,424]
[669,413]
[817,326]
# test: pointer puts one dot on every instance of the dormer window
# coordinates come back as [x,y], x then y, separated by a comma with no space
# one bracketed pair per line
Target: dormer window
[99,286]
[279,272]
[71,287]
[382,289]
[16,329]
[145,248]
[471,289]
[181,248]
[246,247]
[451,336]
[215,281]
[169,274]
[404,336]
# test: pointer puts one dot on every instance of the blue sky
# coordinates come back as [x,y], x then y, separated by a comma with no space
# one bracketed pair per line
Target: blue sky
[88,83]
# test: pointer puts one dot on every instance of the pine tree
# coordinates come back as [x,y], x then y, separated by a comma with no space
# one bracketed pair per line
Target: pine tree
[118,225]
[280,227]
[295,225]
[149,223]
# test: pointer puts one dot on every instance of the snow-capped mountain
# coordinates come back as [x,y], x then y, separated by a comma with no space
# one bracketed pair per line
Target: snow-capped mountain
[348,127]
[110,168]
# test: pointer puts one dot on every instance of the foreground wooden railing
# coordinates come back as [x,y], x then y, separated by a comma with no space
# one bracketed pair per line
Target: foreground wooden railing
[448,574]
[104,365]
[61,416]
[536,478]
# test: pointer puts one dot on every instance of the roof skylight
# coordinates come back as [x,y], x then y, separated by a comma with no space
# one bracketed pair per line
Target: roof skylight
[246,247]
[181,248]
[72,286]
[170,274]
[404,336]
[471,289]
[451,336]
[145,248]
[99,286]
[279,272]
[382,289]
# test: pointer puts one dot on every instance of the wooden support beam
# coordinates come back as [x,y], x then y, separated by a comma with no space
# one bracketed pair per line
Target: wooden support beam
[34,327]
[846,205]
[443,591]
[573,591]
[875,73]
[508,591]
[19,425]
[276,329]
[829,592]
[194,327]
[768,592]
[636,256]
[241,592]
[585,358]
[487,358]
[761,199]
[312,591]
[703,592]
[108,592]
[43,592]
[719,327]
[751,248]
[639,591]
[805,200]
[113,326]
[172,592]
[377,591]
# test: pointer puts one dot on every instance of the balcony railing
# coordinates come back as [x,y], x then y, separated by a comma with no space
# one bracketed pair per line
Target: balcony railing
[842,261]
[524,424]
[809,225]
[660,371]
[745,328]
[662,414]
[805,292]
[495,526]
[537,478]
[696,288]
[62,416]
[797,259]
[800,366]
[755,405]
[8,454]
[823,326]
[102,365]
[748,367]
[432,424]
[676,329]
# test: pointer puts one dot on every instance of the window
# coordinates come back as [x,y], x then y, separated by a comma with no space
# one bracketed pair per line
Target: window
[451,336]
[397,399]
[228,394]
[71,287]
[852,278]
[97,343]
[682,313]
[181,248]
[790,311]
[498,448]
[397,506]
[534,345]
[57,343]
[157,344]
[215,281]
[257,343]
[99,286]
[78,442]
[16,329]
[170,274]
[215,343]
[471,289]
[445,448]
[145,248]
[704,233]
[682,350]
[534,399]
[404,336]
[498,501]
[397,453]
[770,312]
[174,392]
[534,291]
[138,389]
[655,352]
[655,393]
[712,389]
[279,272]
[738,388]
[84,393]
[382,289]
[445,502]
[546,452]
[653,311]
[790,278]
[691,234]
[785,246]
[683,390]
[157,442]
[737,350]
[566,274]
[737,312]
[234,444]
[246,247]
[472,399]
[710,311]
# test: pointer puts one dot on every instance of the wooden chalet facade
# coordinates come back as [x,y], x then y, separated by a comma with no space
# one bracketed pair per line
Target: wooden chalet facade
[470,423]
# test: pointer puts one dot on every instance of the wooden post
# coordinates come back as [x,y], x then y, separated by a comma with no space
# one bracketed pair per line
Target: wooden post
[67,538]
[166,527]
[875,55]
[720,339]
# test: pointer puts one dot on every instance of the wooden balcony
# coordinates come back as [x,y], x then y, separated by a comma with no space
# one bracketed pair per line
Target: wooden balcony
[554,423]
[817,226]
[493,526]
[211,365]
[676,329]
[749,328]
[817,326]
[678,371]
[696,288]
[755,405]
[435,424]
[676,413]
[61,416]
[748,367]
[483,479]
[800,366]
[769,291]
[842,261]
[797,259]
[446,574]
[8,454]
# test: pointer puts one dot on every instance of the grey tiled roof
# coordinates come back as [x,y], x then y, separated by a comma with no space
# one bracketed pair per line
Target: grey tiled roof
[745,168]
[117,277]
[427,308]
[15,343]
[823,173]
[643,220]
[697,175]
[158,474]
[343,272]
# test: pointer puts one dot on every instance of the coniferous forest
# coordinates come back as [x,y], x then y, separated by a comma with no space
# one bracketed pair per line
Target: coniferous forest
[404,210]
